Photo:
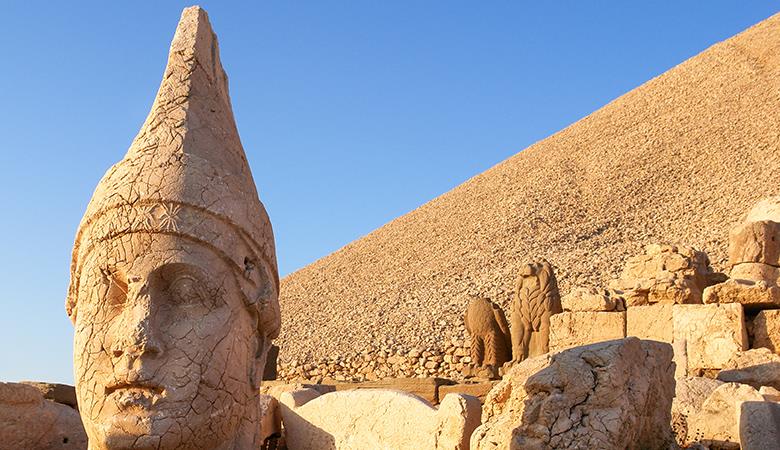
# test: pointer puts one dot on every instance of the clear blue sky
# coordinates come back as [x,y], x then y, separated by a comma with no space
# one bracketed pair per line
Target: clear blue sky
[351,113]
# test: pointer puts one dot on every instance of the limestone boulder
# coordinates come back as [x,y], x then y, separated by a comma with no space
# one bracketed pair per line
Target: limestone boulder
[759,425]
[590,299]
[716,423]
[609,395]
[377,418]
[769,393]
[31,422]
[690,394]
[766,330]
[706,337]
[755,272]
[653,322]
[664,274]
[757,367]
[755,242]
[751,294]
[572,329]
[59,393]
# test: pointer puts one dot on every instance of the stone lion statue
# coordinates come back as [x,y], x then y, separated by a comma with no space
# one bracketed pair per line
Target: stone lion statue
[491,344]
[536,299]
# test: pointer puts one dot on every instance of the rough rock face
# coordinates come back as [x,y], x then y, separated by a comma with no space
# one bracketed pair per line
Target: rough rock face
[565,199]
[590,299]
[759,425]
[610,395]
[30,422]
[766,330]
[570,329]
[754,258]
[757,367]
[59,393]
[377,418]
[717,420]
[654,322]
[664,274]
[690,394]
[174,284]
[707,336]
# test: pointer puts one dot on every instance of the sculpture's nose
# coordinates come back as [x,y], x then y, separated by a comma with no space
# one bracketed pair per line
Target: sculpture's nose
[137,334]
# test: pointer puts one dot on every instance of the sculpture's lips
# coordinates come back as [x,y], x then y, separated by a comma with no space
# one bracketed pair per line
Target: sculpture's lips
[135,395]
[136,386]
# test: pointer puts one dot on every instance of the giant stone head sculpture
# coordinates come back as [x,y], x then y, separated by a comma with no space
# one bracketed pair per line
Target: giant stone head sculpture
[174,284]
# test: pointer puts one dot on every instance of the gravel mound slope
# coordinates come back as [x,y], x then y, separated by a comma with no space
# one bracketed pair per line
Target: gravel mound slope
[677,159]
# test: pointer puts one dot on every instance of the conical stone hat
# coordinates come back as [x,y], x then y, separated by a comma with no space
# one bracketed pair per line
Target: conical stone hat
[186,173]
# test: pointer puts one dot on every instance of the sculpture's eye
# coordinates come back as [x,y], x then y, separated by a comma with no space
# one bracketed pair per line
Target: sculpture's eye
[113,290]
[185,290]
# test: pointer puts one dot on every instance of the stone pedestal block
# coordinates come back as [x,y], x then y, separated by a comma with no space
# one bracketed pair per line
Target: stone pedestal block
[571,329]
[706,337]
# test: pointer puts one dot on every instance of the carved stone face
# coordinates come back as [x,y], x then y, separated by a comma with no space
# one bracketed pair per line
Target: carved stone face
[165,349]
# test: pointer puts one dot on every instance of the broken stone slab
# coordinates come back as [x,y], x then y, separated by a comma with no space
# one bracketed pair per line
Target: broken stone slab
[755,272]
[590,299]
[270,418]
[706,337]
[766,330]
[572,329]
[377,418]
[276,388]
[757,367]
[59,393]
[750,294]
[479,389]
[31,422]
[759,425]
[653,322]
[614,394]
[425,388]
[717,420]
[690,393]
[769,393]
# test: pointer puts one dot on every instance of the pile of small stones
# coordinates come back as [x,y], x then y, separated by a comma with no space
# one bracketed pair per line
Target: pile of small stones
[387,361]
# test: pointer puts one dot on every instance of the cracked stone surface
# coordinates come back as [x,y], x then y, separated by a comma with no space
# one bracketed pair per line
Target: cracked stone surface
[766,330]
[757,367]
[610,395]
[174,284]
[571,329]
[30,422]
[377,419]
[717,422]
[690,394]
[759,425]
[707,336]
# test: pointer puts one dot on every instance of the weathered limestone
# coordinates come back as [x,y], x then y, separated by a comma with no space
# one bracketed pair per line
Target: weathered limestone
[652,322]
[759,425]
[491,342]
[664,274]
[425,388]
[30,422]
[707,336]
[610,395]
[766,330]
[717,420]
[757,367]
[571,329]
[536,299]
[751,294]
[754,257]
[479,390]
[59,393]
[590,299]
[174,284]
[690,394]
[755,238]
[377,418]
